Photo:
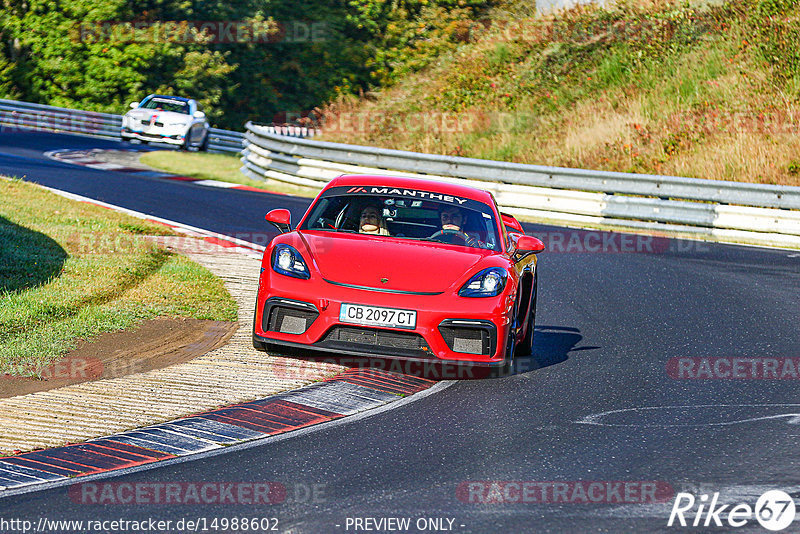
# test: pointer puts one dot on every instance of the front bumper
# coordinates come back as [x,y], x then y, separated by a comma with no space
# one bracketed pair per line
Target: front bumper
[153,136]
[449,328]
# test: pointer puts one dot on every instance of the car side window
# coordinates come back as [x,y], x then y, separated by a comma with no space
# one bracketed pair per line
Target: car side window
[331,214]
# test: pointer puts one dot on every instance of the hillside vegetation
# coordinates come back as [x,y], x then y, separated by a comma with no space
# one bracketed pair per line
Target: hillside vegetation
[656,87]
[260,60]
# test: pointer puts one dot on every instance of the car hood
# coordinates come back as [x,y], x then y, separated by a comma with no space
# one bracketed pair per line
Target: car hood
[166,117]
[414,266]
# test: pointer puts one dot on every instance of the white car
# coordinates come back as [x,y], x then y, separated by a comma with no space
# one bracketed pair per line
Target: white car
[166,119]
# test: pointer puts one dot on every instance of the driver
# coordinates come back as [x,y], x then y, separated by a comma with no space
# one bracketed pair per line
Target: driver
[453,220]
[371,221]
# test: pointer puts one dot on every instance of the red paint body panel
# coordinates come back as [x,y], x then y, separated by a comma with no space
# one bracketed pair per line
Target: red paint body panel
[400,273]
[427,267]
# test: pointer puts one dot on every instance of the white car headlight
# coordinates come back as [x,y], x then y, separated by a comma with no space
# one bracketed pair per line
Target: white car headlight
[487,283]
[287,260]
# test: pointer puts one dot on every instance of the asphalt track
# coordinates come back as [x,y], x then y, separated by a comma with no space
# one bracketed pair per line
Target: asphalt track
[608,324]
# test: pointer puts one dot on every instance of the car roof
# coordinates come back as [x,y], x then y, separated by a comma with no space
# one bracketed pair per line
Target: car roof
[448,188]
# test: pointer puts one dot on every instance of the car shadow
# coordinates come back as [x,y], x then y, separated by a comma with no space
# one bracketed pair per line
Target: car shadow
[27,258]
[551,346]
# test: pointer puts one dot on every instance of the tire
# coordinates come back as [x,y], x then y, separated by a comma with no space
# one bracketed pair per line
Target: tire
[526,346]
[511,361]
[507,369]
[204,144]
[185,145]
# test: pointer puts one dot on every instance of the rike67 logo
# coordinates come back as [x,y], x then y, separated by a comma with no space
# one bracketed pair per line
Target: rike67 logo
[774,510]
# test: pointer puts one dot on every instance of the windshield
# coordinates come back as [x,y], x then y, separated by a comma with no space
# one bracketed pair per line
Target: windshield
[166,104]
[409,214]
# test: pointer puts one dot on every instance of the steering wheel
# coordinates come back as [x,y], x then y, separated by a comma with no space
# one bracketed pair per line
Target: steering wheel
[455,233]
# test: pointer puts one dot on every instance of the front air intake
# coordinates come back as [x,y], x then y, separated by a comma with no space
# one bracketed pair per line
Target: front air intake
[469,336]
[376,341]
[288,317]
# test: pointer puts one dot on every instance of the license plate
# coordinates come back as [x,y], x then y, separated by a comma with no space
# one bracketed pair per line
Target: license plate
[375,316]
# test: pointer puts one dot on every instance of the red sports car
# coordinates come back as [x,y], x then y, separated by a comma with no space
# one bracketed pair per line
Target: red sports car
[400,268]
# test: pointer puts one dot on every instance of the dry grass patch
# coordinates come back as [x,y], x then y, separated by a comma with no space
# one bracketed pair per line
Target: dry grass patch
[641,86]
[761,158]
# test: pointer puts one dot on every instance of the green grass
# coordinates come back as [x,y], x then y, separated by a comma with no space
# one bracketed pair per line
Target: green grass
[70,271]
[222,167]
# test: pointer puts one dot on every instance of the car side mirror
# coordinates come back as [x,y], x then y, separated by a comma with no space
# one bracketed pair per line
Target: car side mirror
[199,115]
[529,244]
[280,219]
[134,105]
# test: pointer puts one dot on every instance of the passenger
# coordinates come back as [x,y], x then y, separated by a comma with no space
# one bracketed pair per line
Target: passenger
[371,221]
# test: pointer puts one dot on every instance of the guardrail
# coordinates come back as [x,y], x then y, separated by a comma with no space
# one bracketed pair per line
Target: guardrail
[225,140]
[728,211]
[50,118]
[290,130]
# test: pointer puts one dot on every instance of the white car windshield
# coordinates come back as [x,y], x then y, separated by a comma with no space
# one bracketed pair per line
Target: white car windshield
[427,216]
[166,104]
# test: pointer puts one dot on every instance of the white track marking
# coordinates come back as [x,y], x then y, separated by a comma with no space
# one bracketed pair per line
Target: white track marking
[597,419]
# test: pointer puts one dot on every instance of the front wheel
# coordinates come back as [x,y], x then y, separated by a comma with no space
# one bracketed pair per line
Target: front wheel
[507,369]
[526,345]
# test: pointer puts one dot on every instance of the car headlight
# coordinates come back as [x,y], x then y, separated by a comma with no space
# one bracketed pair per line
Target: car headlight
[286,260]
[487,283]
